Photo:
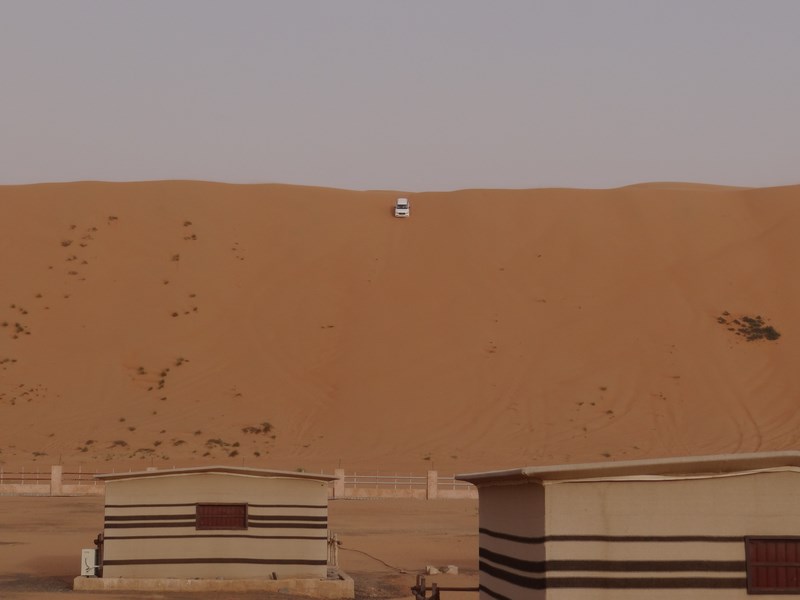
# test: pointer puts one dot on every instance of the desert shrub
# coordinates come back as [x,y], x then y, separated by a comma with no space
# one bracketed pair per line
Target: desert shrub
[750,328]
[263,428]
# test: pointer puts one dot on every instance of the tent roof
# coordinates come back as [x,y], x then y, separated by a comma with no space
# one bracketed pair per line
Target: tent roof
[245,471]
[684,465]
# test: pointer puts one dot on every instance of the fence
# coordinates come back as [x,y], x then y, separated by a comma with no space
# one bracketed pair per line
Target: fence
[430,486]
[53,482]
[79,482]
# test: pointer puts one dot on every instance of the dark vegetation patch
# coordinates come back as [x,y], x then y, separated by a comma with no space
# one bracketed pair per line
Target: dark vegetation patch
[264,428]
[750,328]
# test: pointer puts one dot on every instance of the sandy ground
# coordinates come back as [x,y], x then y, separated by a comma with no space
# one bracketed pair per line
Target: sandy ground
[186,323]
[41,538]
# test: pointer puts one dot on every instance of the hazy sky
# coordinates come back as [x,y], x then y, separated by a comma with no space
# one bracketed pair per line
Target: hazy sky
[405,94]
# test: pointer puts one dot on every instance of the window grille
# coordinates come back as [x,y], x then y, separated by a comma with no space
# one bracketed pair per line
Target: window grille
[221,516]
[773,565]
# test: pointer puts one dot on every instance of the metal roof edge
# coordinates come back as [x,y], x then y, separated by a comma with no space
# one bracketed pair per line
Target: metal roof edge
[713,463]
[247,471]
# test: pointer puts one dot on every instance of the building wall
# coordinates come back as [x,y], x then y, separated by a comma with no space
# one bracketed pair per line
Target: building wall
[512,547]
[150,527]
[666,539]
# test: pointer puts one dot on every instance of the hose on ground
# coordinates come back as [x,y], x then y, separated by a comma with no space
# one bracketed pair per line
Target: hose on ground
[383,562]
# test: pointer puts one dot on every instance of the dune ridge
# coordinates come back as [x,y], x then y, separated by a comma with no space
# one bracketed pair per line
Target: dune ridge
[180,322]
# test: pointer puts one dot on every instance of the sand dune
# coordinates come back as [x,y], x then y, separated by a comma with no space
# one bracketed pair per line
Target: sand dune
[186,322]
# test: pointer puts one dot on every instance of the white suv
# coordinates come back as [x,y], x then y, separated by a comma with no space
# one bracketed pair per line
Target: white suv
[402,208]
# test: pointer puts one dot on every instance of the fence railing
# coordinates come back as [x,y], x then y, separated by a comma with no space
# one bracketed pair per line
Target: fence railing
[53,482]
[40,476]
[23,476]
[387,481]
[396,485]
[58,481]
[451,483]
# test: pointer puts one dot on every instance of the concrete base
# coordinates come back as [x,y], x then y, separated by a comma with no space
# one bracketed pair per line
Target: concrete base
[337,585]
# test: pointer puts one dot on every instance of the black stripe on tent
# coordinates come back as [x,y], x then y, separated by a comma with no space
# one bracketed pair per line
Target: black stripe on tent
[289,525]
[146,524]
[492,593]
[281,525]
[634,566]
[278,519]
[285,518]
[609,538]
[196,503]
[227,561]
[531,583]
[540,583]
[148,505]
[148,517]
[320,506]
[648,583]
[192,537]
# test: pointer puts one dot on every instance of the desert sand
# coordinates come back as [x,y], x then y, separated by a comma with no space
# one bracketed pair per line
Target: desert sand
[180,323]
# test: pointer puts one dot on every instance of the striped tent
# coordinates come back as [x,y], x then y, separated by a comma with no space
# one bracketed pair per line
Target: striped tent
[215,522]
[721,526]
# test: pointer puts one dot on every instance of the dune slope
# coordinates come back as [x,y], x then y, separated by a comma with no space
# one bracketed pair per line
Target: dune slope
[290,327]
